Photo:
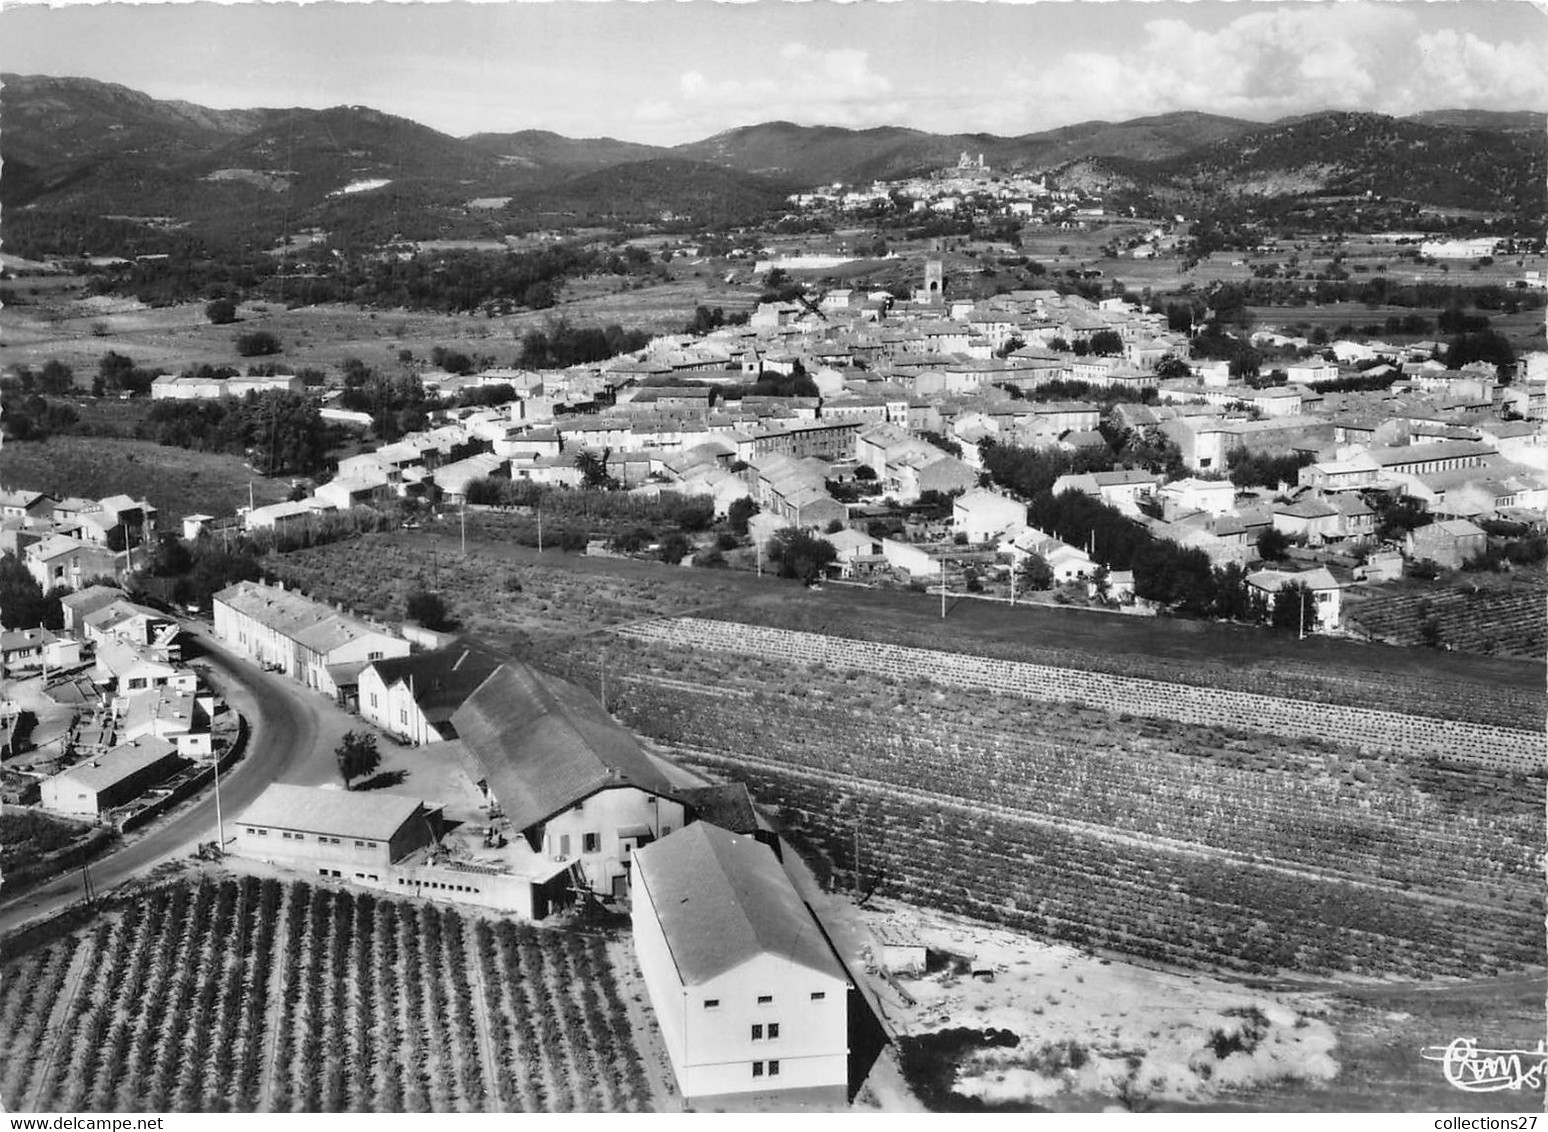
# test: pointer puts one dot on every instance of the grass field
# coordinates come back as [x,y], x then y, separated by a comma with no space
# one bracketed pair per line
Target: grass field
[179,482]
[564,594]
[178,337]
[218,994]
[26,834]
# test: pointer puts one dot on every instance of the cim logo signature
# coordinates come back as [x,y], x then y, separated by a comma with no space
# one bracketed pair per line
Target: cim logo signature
[1475,1070]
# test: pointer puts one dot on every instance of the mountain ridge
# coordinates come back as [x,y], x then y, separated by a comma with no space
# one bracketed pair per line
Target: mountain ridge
[79,152]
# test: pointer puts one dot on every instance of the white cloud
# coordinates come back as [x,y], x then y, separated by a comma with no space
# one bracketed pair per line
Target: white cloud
[1270,61]
[1474,72]
[1285,60]
[810,85]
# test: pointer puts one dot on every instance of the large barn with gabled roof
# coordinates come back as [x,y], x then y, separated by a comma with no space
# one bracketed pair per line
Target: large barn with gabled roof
[576,786]
[751,997]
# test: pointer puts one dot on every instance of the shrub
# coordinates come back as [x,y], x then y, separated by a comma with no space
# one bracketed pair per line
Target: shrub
[427,608]
[255,343]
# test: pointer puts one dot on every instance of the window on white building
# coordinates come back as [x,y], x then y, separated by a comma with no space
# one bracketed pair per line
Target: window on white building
[818,996]
[773,1030]
[712,1004]
[773,1069]
[757,1069]
[591,843]
[757,1032]
[765,999]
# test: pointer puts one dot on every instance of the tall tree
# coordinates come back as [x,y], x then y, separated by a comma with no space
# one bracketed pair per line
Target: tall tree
[357,756]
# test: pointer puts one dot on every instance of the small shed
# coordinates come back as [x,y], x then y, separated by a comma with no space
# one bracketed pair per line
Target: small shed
[902,951]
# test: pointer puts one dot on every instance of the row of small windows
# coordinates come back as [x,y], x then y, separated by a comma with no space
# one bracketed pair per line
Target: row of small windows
[764,1000]
[758,1068]
[438,884]
[259,831]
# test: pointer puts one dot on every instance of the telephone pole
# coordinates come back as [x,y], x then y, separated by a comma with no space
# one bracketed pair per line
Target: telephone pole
[220,824]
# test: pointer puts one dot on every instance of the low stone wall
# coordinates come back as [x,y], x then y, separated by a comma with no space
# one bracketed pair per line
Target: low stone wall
[1498,748]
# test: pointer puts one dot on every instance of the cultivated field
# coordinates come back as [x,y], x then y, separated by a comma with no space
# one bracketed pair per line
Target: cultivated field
[252,995]
[1506,622]
[1196,846]
[178,481]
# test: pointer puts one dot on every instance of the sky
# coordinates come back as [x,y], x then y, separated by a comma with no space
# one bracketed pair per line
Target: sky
[671,71]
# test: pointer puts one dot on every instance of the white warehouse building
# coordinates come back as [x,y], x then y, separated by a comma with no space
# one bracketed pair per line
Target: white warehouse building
[751,998]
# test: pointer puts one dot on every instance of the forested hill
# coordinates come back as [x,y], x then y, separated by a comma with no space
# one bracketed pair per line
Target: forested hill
[92,166]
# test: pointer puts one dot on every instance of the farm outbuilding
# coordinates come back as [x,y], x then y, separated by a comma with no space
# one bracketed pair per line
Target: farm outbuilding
[333,829]
[579,791]
[92,787]
[901,950]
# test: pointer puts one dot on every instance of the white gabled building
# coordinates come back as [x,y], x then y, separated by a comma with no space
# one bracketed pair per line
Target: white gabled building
[579,791]
[751,998]
[983,515]
[1326,593]
[415,696]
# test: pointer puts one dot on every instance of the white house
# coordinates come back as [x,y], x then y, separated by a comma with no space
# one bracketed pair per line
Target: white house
[1214,497]
[749,994]
[983,515]
[1123,488]
[1326,593]
[414,697]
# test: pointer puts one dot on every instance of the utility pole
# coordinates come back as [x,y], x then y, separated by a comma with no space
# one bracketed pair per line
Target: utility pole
[602,673]
[540,530]
[1301,623]
[943,589]
[464,528]
[220,824]
[250,504]
[1013,582]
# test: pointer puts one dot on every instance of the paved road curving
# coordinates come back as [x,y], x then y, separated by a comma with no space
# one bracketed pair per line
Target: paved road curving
[287,723]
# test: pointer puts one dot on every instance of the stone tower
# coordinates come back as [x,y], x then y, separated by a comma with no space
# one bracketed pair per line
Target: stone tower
[934,282]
